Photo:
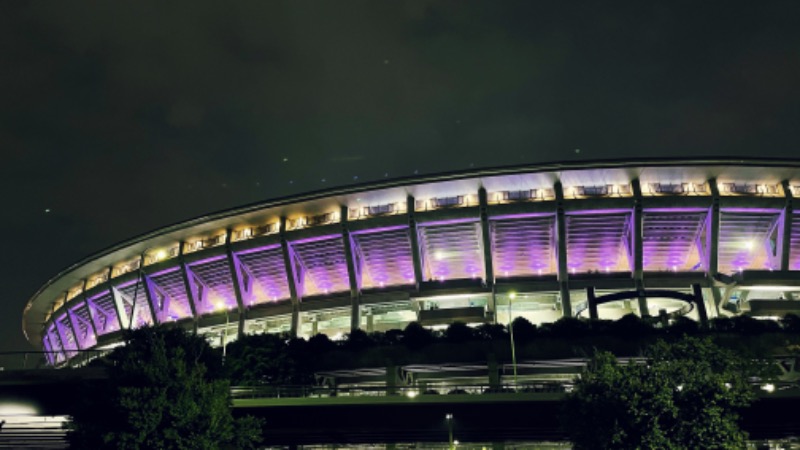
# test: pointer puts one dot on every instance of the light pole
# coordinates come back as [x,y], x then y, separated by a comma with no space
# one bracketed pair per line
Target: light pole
[449,418]
[225,331]
[511,297]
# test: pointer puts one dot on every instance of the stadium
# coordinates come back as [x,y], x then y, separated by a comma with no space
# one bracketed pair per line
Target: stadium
[656,238]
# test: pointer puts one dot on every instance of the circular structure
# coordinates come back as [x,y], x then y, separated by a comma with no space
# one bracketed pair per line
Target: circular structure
[479,246]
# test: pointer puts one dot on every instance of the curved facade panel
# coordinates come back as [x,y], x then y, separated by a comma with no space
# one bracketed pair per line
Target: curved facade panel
[484,246]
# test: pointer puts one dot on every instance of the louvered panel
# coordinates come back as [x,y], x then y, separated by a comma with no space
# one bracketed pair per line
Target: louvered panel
[171,282]
[134,292]
[451,251]
[82,321]
[215,288]
[68,342]
[744,241]
[50,354]
[268,270]
[523,246]
[324,265]
[595,242]
[794,252]
[55,344]
[669,240]
[386,258]
[103,312]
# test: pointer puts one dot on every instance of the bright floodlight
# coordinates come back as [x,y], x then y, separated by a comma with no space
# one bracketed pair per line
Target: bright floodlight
[769,387]
[513,295]
[411,394]
[448,416]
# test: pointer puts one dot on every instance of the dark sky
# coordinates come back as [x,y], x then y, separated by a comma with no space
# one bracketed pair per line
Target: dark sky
[120,117]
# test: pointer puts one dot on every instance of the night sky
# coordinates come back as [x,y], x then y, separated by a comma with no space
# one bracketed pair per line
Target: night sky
[120,117]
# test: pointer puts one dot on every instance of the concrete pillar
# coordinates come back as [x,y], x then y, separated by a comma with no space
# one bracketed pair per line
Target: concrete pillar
[412,231]
[291,277]
[700,305]
[712,234]
[236,279]
[561,233]
[592,301]
[638,247]
[353,272]
[488,263]
[786,227]
[187,285]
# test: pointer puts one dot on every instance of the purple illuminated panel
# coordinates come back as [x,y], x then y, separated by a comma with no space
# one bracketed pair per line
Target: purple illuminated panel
[323,265]
[212,284]
[596,241]
[669,239]
[55,344]
[103,313]
[794,252]
[263,275]
[68,343]
[384,256]
[133,293]
[451,250]
[169,295]
[523,246]
[81,319]
[49,352]
[744,239]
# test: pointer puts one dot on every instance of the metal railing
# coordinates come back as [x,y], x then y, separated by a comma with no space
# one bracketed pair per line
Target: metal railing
[259,392]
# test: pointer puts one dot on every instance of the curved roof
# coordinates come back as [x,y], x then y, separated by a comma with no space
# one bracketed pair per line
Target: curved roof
[385,191]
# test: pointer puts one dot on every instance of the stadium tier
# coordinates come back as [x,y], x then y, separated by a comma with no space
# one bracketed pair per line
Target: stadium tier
[476,247]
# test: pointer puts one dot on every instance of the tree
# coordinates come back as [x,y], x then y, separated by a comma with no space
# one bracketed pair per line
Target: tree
[684,395]
[165,390]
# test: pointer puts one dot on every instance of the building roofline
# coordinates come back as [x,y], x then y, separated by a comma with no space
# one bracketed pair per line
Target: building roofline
[402,182]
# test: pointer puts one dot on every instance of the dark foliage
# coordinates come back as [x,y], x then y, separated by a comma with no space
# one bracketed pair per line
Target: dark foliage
[415,336]
[458,333]
[166,389]
[686,396]
[524,330]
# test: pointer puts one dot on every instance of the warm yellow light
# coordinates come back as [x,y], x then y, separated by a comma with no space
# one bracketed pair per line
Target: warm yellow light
[411,394]
[219,306]
[161,254]
[768,387]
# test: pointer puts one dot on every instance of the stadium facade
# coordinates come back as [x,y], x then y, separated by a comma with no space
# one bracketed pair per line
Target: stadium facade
[476,247]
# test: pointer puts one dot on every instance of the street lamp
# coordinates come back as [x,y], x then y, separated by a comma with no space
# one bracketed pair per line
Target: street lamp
[449,418]
[511,297]
[221,306]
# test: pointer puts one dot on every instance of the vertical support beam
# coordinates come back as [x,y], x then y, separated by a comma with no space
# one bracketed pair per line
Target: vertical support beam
[353,272]
[122,317]
[155,314]
[291,278]
[148,295]
[85,302]
[488,263]
[412,231]
[69,324]
[638,247]
[237,283]
[561,234]
[697,291]
[786,231]
[187,286]
[75,328]
[712,234]
[591,299]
